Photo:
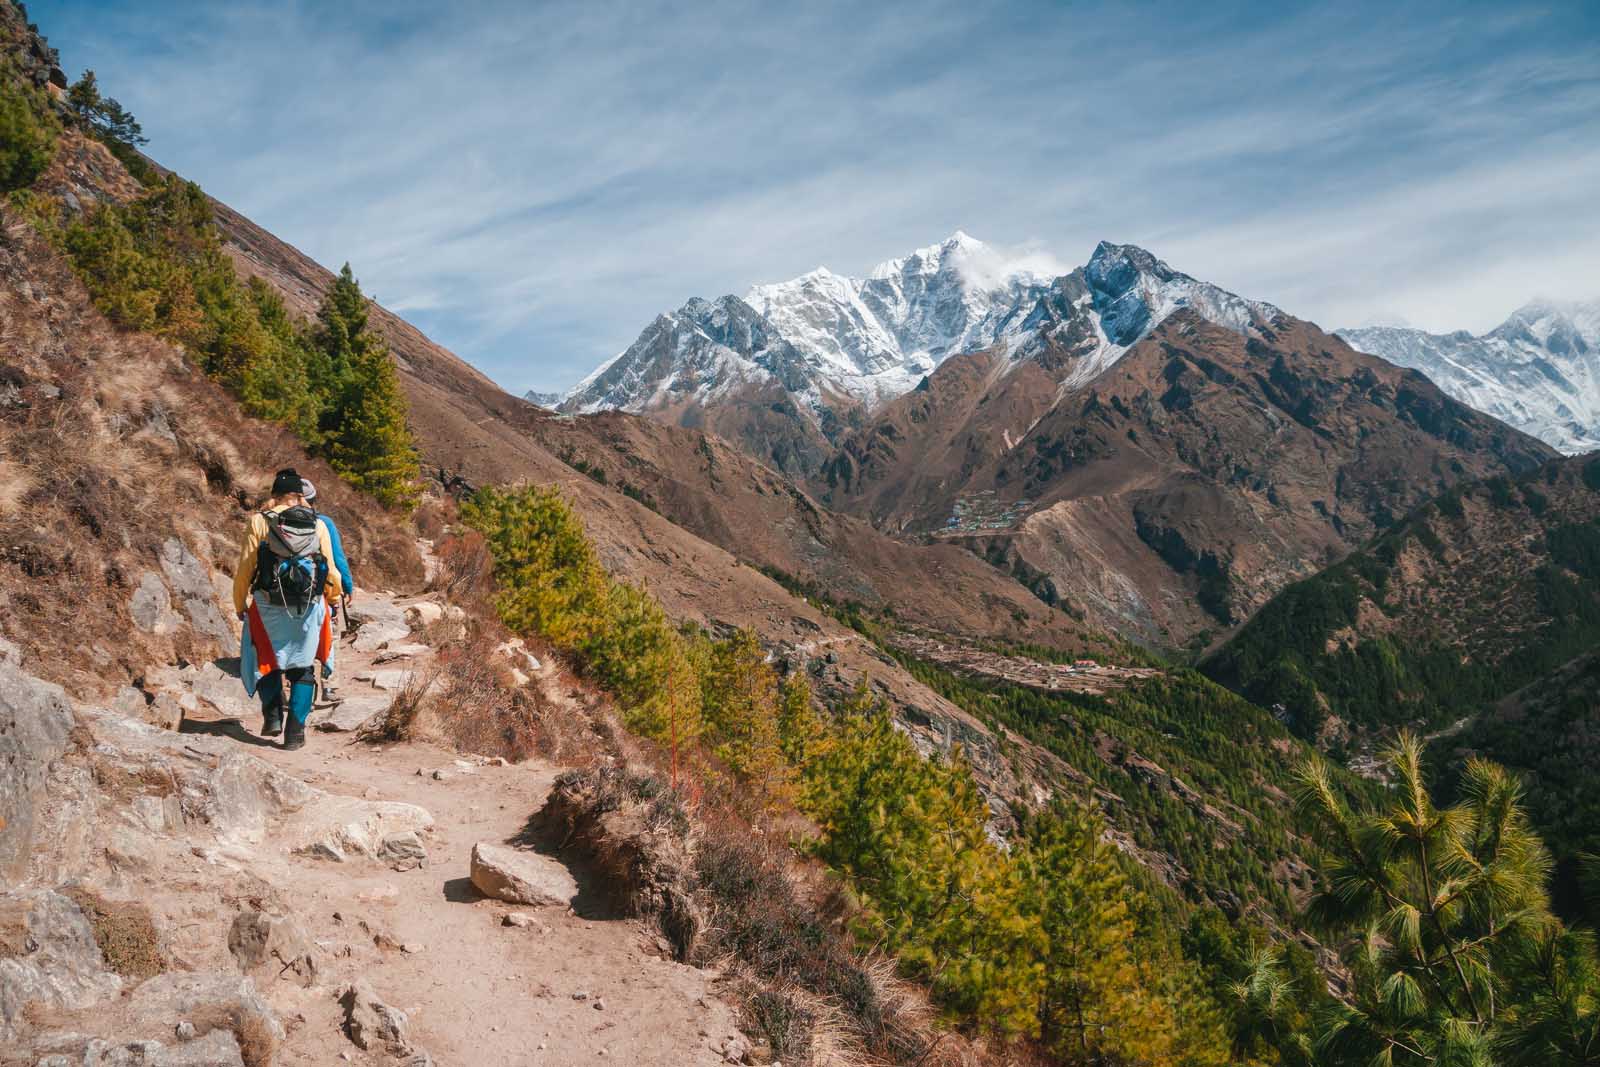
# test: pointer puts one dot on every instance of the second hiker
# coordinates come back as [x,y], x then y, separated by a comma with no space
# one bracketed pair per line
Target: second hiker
[282,589]
[342,565]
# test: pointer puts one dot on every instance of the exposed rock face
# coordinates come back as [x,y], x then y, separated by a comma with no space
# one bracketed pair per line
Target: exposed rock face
[35,719]
[151,605]
[520,877]
[48,956]
[195,592]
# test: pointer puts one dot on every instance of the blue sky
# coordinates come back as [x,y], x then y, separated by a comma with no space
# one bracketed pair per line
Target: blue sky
[532,183]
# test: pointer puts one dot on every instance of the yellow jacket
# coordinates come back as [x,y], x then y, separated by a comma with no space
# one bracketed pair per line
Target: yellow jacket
[244,574]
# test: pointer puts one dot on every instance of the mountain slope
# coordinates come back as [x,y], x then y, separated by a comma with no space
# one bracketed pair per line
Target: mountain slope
[1179,490]
[1538,371]
[1492,586]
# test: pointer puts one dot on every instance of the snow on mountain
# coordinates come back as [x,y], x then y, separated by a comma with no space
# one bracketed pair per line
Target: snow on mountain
[544,400]
[700,352]
[867,340]
[1538,371]
[880,334]
[1099,311]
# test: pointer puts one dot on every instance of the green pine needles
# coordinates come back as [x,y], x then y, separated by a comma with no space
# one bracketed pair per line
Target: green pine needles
[156,264]
[1457,959]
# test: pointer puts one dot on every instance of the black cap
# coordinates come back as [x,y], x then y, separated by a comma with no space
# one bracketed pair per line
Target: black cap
[286,481]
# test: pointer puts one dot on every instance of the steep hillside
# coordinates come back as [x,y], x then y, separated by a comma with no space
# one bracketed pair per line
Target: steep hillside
[1548,732]
[1538,371]
[1493,586]
[686,488]
[1175,493]
[124,481]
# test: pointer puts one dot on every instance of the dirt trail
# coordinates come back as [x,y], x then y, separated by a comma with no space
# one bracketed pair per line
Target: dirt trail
[478,991]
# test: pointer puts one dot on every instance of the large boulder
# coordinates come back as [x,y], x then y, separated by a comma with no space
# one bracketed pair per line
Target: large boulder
[520,877]
[337,828]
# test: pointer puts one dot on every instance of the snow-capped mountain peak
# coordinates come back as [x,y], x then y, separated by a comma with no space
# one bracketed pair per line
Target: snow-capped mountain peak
[831,338]
[1539,370]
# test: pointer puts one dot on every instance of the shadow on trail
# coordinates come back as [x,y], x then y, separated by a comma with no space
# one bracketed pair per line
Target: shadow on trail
[232,729]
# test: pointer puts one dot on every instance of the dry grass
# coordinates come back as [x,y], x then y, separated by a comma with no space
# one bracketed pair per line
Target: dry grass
[124,931]
[258,1044]
[16,482]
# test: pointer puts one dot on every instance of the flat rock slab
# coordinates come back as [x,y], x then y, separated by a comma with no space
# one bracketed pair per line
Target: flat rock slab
[520,877]
[337,827]
[403,650]
[351,714]
[389,680]
[382,621]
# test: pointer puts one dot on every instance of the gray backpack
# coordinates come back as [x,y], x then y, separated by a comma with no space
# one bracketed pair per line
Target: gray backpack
[290,568]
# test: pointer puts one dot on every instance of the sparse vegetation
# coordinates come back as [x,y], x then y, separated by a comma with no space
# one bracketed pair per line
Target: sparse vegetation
[156,265]
[124,932]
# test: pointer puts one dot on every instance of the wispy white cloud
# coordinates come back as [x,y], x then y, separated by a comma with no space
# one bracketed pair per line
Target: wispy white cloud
[533,182]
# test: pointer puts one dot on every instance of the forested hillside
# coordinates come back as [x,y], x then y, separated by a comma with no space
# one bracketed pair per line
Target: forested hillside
[1490,587]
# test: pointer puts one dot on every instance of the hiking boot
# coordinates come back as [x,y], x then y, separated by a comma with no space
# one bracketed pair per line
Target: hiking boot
[327,695]
[271,723]
[295,736]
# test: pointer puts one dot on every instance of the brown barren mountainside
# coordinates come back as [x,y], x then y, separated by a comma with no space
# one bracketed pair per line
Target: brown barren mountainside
[1175,493]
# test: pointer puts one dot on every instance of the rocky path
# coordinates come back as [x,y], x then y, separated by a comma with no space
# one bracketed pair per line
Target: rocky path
[337,879]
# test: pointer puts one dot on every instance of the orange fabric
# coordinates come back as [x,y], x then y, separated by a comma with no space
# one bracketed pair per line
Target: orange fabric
[266,655]
[325,641]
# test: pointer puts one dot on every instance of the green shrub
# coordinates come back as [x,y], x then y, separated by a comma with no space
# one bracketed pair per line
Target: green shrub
[28,132]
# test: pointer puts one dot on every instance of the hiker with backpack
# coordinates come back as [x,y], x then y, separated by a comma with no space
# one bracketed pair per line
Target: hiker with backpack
[342,565]
[282,589]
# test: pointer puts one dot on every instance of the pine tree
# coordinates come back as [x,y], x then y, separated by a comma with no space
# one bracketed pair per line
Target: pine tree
[1092,1006]
[364,421]
[551,583]
[641,657]
[741,707]
[103,114]
[1460,960]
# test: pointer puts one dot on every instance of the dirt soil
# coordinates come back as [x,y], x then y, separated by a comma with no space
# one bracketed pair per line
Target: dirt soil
[575,986]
